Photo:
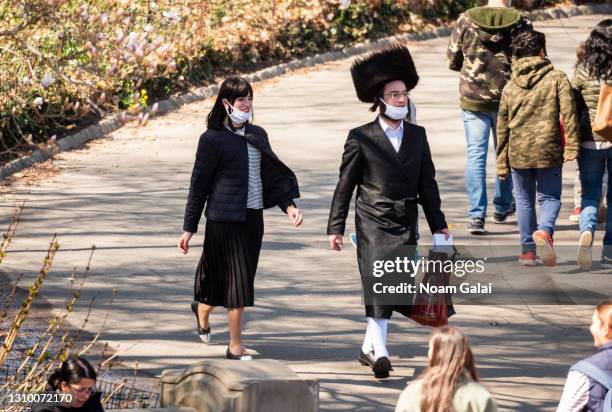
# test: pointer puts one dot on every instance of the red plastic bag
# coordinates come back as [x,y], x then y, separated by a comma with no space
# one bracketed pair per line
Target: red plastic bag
[431,309]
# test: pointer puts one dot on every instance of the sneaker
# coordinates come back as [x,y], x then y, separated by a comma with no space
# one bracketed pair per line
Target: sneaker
[544,241]
[501,217]
[528,258]
[585,250]
[601,214]
[512,209]
[476,226]
[606,260]
[575,216]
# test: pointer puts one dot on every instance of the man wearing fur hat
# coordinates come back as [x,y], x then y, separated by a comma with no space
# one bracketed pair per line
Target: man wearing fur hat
[389,161]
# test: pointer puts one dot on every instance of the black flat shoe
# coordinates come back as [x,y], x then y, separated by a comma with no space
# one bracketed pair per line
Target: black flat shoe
[204,334]
[366,359]
[230,355]
[381,368]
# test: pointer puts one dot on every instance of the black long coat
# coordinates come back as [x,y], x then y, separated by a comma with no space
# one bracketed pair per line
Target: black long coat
[388,186]
[220,177]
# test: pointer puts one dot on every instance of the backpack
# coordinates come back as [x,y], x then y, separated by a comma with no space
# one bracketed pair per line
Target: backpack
[600,376]
[602,123]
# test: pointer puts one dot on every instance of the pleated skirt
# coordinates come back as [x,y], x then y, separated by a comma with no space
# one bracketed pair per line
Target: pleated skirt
[226,272]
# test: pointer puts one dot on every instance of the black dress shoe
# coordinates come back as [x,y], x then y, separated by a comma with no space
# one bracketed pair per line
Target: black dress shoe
[204,334]
[230,355]
[381,368]
[366,359]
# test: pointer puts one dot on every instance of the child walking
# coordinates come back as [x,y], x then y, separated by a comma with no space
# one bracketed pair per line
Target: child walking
[530,144]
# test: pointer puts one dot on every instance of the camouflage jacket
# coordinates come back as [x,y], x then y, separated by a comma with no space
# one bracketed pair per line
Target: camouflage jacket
[528,126]
[587,90]
[479,49]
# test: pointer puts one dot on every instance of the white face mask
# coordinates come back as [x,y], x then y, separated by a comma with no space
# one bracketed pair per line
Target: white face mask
[238,116]
[395,112]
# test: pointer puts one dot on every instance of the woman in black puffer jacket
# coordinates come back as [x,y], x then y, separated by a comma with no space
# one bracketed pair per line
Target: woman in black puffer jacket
[237,175]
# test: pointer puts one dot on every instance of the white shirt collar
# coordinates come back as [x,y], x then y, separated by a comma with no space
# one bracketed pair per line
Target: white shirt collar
[387,127]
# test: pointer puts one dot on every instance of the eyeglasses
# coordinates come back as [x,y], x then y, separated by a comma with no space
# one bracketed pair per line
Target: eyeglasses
[397,95]
[82,391]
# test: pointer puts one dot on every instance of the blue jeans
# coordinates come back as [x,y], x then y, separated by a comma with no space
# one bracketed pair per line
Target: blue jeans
[478,126]
[547,184]
[592,164]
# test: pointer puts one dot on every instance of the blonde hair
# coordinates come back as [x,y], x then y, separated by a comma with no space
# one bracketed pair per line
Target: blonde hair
[604,311]
[450,357]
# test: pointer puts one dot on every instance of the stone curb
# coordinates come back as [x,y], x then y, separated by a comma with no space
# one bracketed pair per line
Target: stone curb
[113,122]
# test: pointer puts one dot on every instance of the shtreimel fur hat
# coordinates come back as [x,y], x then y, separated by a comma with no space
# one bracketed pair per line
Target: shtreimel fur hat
[371,73]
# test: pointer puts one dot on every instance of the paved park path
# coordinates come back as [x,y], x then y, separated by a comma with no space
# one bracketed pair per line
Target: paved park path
[126,194]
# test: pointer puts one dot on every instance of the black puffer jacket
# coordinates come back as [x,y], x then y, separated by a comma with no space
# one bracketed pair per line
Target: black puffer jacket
[221,175]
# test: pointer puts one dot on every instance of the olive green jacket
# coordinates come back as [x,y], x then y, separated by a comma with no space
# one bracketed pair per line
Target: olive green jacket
[587,97]
[469,396]
[528,122]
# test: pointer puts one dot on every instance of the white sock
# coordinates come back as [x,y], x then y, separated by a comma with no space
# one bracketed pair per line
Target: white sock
[376,337]
[367,346]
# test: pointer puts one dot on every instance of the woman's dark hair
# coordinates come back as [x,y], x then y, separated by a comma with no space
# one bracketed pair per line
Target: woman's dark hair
[72,370]
[528,44]
[231,89]
[597,59]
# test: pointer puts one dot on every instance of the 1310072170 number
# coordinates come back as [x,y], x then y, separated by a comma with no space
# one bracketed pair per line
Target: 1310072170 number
[40,397]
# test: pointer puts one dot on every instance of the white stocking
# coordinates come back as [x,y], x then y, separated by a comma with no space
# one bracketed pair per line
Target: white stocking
[376,338]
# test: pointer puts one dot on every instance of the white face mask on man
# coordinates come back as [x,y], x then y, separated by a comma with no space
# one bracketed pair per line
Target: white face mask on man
[395,112]
[238,116]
